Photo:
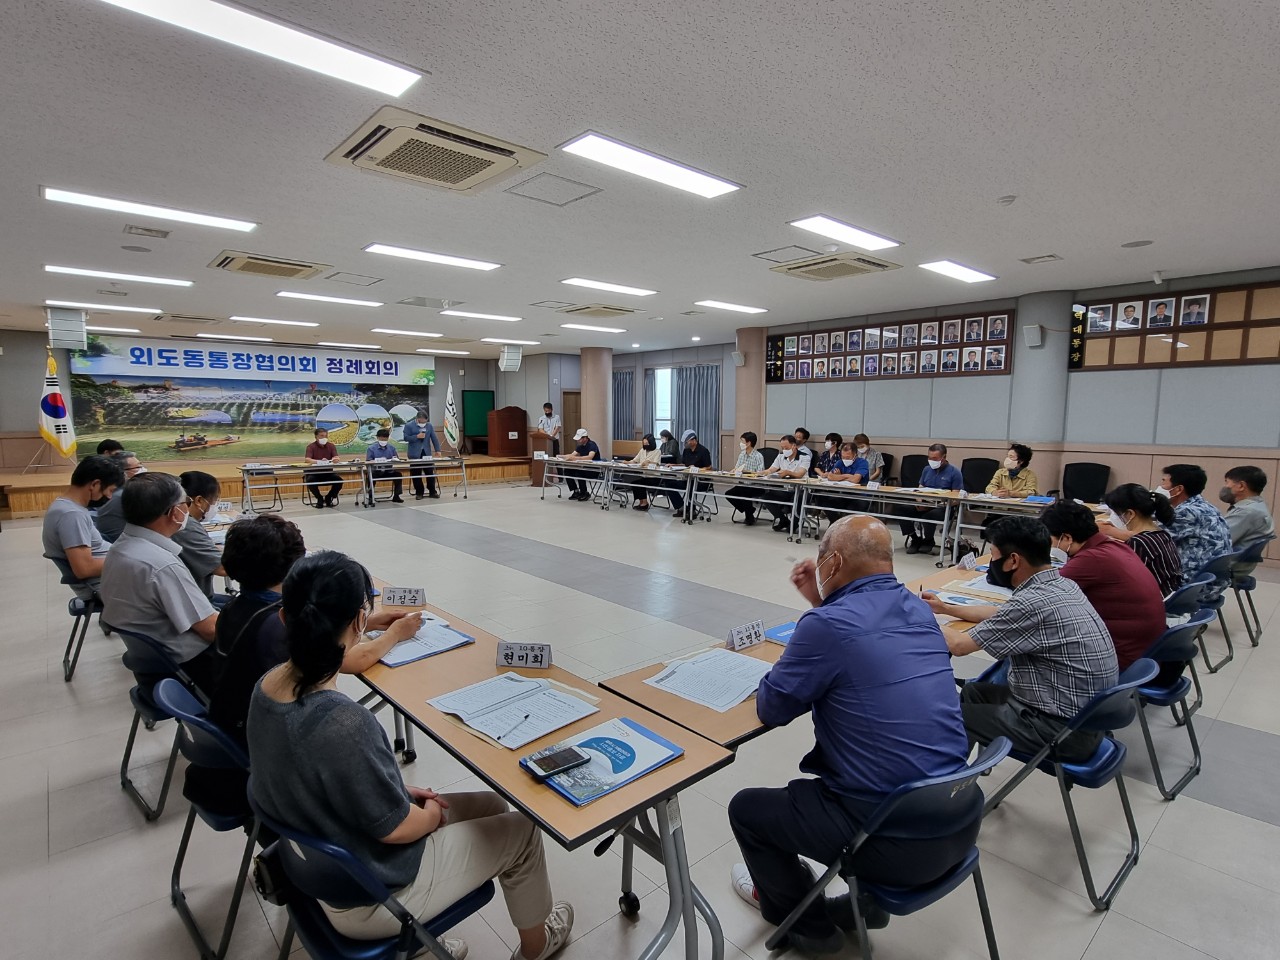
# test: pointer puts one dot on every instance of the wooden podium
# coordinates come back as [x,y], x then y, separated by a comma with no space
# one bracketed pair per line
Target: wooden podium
[508,432]
[538,467]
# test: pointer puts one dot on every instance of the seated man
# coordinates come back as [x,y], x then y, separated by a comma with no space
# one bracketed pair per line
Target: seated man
[790,464]
[200,554]
[1248,519]
[1198,529]
[109,447]
[1060,654]
[321,450]
[871,666]
[846,468]
[693,455]
[938,475]
[802,439]
[422,441]
[147,589]
[1114,579]
[110,518]
[586,449]
[750,460]
[1014,480]
[69,534]
[384,449]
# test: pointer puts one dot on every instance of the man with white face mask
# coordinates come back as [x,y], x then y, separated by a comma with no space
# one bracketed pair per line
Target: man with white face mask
[384,449]
[321,449]
[871,665]
[938,475]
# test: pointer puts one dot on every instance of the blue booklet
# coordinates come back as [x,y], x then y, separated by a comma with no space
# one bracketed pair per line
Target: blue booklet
[781,633]
[621,750]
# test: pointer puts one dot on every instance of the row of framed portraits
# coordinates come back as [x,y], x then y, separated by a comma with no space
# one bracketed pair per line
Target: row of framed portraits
[1155,313]
[976,359]
[898,336]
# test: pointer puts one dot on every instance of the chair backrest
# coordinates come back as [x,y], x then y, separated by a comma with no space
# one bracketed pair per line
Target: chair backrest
[64,568]
[1186,599]
[770,454]
[203,741]
[977,472]
[887,472]
[938,806]
[143,656]
[1249,553]
[913,465]
[1085,481]
[1220,568]
[1115,707]
[319,869]
[1179,642]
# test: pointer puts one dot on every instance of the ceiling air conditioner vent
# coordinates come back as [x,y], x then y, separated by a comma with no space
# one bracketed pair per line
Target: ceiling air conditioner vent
[237,261]
[599,311]
[397,143]
[182,318]
[836,266]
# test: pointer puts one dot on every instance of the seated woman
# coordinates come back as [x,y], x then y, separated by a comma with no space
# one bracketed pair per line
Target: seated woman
[669,450]
[1014,479]
[750,460]
[322,764]
[875,459]
[1137,516]
[831,447]
[199,552]
[647,456]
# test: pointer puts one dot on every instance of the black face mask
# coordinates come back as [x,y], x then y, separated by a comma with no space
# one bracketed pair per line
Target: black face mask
[1226,496]
[997,575]
[647,445]
[99,503]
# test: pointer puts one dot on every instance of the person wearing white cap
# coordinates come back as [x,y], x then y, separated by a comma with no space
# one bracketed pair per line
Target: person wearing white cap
[586,449]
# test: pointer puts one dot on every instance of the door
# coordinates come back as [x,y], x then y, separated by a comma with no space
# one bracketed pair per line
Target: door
[571,417]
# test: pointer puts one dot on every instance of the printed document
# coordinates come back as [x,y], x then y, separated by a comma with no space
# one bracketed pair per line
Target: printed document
[718,679]
[514,710]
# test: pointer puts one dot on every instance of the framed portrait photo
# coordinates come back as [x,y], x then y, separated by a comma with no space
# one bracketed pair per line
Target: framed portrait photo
[820,369]
[853,366]
[1160,312]
[928,361]
[907,364]
[910,334]
[1195,311]
[819,343]
[889,365]
[805,370]
[837,341]
[837,368]
[950,361]
[951,331]
[871,338]
[871,366]
[973,329]
[789,370]
[929,334]
[995,358]
[1129,315]
[855,340]
[889,338]
[806,344]
[998,326]
[1100,318]
[972,360]
[789,346]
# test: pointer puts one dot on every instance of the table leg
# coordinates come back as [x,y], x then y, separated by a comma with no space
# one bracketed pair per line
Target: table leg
[795,514]
[802,513]
[955,534]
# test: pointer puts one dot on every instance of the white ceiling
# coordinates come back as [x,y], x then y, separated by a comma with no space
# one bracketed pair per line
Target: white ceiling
[1110,120]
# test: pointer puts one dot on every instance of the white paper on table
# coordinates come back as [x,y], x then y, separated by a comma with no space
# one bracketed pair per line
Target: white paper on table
[962,599]
[431,638]
[486,695]
[719,679]
[497,708]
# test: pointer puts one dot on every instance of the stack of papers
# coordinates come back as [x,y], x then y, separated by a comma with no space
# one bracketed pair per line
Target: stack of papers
[621,750]
[514,710]
[979,587]
[432,637]
[719,679]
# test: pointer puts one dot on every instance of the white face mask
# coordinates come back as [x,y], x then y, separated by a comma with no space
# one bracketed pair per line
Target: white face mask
[323,441]
[382,443]
[822,584]
[863,450]
[1160,492]
[1116,520]
[1058,555]
[829,445]
[742,444]
[935,464]
[1010,464]
[847,463]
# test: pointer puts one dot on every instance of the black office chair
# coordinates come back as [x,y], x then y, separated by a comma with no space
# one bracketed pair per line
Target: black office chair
[977,473]
[1084,481]
[770,454]
[886,475]
[913,465]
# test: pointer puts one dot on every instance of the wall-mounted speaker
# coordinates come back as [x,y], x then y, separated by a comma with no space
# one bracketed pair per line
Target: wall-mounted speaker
[509,359]
[739,359]
[66,328]
[1033,334]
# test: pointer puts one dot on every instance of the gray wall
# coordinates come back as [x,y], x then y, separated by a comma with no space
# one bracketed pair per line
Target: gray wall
[22,379]
[466,375]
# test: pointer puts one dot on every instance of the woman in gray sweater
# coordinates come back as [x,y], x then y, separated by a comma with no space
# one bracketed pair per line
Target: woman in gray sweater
[322,764]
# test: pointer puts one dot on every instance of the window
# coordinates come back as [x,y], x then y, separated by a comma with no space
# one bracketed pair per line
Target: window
[661,400]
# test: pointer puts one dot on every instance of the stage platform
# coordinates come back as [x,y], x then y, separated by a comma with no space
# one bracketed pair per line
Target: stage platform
[29,494]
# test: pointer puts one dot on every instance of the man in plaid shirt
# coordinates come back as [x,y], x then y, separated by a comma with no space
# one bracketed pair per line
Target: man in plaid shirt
[1059,652]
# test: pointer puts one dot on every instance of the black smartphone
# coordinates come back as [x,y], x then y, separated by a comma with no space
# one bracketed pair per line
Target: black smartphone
[547,765]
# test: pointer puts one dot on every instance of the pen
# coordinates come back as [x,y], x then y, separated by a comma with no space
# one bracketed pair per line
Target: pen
[515,727]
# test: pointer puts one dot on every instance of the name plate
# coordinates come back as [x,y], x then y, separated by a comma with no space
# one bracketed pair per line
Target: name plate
[747,635]
[873,484]
[404,596]
[969,561]
[539,454]
[523,654]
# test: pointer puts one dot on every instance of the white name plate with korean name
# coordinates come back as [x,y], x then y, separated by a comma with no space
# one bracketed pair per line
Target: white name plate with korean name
[747,635]
[404,596]
[523,654]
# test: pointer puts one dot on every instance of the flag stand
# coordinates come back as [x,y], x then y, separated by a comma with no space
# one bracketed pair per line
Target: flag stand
[31,464]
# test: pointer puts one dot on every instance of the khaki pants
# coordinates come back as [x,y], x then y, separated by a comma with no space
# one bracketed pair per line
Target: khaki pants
[480,840]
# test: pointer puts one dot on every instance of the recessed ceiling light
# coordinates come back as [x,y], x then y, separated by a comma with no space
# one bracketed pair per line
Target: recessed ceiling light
[232,336]
[442,258]
[736,307]
[272,38]
[1042,258]
[695,339]
[583,326]
[845,233]
[635,346]
[144,209]
[281,323]
[611,287]
[957,272]
[524,343]
[452,353]
[353,346]
[108,275]
[109,307]
[111,329]
[316,296]
[405,333]
[614,153]
[479,316]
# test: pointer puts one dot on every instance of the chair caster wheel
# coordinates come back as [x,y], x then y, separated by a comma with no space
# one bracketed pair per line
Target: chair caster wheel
[408,756]
[149,724]
[629,904]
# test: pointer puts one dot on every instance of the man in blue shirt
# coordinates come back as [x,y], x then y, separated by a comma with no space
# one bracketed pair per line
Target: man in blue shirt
[421,439]
[938,475]
[871,665]
[384,449]
[1198,528]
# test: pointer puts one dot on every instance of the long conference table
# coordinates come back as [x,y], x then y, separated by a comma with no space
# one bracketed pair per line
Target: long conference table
[272,478]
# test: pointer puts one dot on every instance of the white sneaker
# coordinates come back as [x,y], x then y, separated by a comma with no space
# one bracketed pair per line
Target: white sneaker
[559,925]
[456,946]
[744,885]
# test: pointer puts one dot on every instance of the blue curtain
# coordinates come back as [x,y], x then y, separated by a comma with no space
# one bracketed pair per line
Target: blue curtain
[695,404]
[650,401]
[624,404]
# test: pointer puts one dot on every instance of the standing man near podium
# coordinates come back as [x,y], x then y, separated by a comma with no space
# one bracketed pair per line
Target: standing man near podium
[549,423]
[421,438]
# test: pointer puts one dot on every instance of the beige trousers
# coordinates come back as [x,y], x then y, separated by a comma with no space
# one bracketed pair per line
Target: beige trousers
[481,840]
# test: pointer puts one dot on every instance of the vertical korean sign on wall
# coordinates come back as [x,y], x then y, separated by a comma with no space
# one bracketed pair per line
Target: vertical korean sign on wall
[1075,355]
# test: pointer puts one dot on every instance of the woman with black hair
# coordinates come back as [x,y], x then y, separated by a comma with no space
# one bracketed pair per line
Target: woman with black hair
[322,763]
[1139,517]
[199,552]
[646,456]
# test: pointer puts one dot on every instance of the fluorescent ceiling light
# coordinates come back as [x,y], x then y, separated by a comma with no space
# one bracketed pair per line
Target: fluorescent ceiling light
[426,257]
[353,346]
[232,336]
[108,307]
[316,296]
[695,339]
[611,287]
[583,326]
[282,323]
[827,227]
[111,329]
[405,333]
[524,343]
[613,153]
[957,272]
[737,307]
[479,316]
[108,275]
[144,209]
[635,346]
[452,353]
[280,41]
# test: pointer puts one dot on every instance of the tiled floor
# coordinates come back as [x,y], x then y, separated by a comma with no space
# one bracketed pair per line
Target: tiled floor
[81,874]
